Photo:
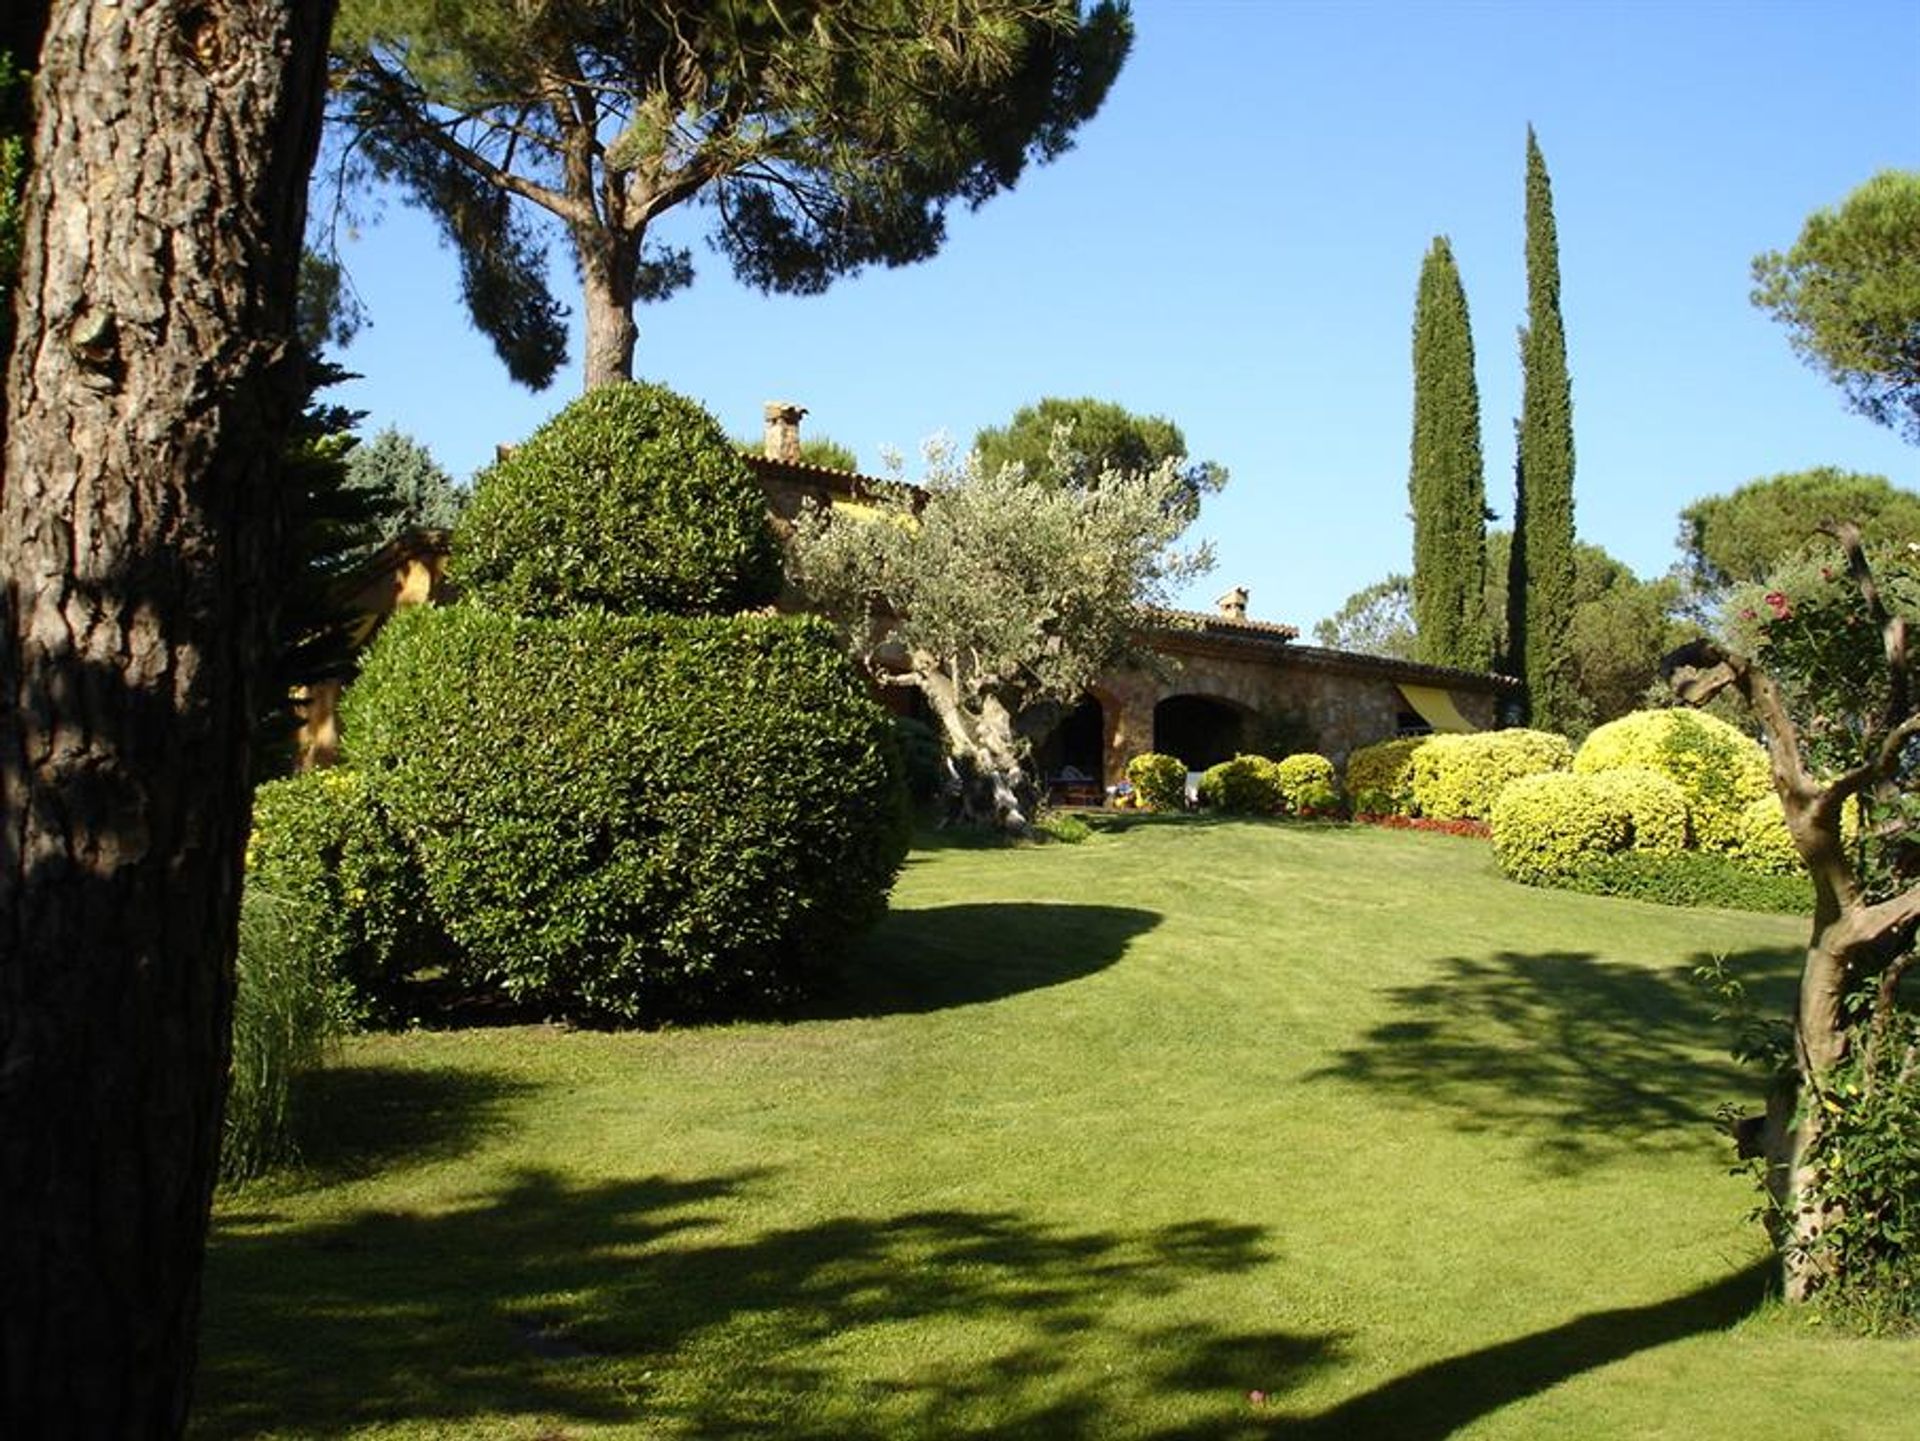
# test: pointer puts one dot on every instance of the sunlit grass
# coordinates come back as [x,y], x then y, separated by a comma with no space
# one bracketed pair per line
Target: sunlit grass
[1213,1131]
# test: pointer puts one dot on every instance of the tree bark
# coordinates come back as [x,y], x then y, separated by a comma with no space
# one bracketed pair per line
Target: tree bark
[996,791]
[609,272]
[149,393]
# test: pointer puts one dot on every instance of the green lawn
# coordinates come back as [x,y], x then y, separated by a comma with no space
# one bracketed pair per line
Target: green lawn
[1098,1141]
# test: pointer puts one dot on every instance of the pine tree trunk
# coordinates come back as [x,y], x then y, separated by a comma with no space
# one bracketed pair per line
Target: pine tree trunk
[149,394]
[609,271]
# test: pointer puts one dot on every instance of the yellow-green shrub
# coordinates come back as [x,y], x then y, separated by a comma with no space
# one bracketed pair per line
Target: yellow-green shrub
[1656,806]
[1460,777]
[1764,845]
[1307,784]
[1718,769]
[1543,825]
[1377,776]
[1243,786]
[1159,781]
[1762,842]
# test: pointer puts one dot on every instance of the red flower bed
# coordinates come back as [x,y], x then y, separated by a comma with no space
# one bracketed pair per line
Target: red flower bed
[1479,829]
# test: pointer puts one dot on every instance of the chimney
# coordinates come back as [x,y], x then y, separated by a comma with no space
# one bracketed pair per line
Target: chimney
[783,430]
[1233,605]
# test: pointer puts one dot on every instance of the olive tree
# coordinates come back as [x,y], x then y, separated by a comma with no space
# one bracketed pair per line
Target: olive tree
[991,592]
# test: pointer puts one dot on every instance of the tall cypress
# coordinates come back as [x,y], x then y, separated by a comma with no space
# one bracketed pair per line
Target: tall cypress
[1540,581]
[1446,481]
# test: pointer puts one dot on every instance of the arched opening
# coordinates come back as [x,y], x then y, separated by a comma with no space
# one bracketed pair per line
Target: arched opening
[1071,759]
[1201,730]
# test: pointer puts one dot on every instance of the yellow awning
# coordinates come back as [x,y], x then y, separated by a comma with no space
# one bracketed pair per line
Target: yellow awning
[1437,709]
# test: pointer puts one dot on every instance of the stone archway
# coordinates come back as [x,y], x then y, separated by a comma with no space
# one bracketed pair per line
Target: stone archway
[1202,730]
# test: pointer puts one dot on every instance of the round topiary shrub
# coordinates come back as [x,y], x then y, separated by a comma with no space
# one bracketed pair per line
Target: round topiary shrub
[1544,824]
[327,862]
[1379,779]
[1460,777]
[1159,781]
[1656,806]
[1307,785]
[1719,770]
[632,500]
[636,818]
[1762,842]
[1243,786]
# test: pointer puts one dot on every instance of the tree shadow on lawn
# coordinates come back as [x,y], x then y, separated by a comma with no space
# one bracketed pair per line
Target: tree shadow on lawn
[626,1301]
[1437,1400]
[363,1120]
[938,957]
[1588,1057]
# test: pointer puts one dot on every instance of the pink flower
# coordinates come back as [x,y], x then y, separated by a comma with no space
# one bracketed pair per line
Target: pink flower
[1782,607]
[1749,613]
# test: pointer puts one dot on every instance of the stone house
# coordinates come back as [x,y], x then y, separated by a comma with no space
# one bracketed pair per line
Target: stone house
[1223,683]
[1220,683]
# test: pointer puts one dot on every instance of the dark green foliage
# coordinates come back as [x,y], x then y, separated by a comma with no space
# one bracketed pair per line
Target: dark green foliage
[345,886]
[820,137]
[1099,436]
[1375,621]
[921,756]
[404,473]
[1872,1246]
[630,500]
[14,126]
[326,530]
[634,818]
[1540,586]
[1446,482]
[503,258]
[1849,294]
[1745,535]
[1686,878]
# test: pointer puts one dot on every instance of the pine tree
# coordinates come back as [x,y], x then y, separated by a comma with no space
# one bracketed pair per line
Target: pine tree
[1447,481]
[1540,582]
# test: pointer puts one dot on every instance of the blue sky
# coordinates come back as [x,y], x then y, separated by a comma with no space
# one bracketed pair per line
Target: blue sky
[1235,241]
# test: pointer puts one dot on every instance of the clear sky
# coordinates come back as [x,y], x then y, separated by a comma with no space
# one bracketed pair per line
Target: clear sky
[1234,243]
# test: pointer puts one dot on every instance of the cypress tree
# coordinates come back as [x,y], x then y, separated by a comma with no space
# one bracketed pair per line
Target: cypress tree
[1540,581]
[1446,481]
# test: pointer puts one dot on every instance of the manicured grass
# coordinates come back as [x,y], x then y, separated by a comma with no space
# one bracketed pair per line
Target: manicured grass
[1097,1141]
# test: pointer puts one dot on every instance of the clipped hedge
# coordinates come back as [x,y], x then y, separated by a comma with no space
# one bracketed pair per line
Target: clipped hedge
[638,818]
[1763,844]
[1460,777]
[1308,784]
[1656,807]
[1379,779]
[343,885]
[633,500]
[1719,770]
[1688,878]
[1159,781]
[1243,786]
[1546,825]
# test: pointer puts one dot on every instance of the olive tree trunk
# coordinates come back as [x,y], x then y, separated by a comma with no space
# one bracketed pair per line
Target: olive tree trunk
[990,786]
[148,395]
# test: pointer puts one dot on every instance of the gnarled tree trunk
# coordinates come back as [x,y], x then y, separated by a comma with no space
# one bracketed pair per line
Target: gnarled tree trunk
[993,788]
[149,394]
